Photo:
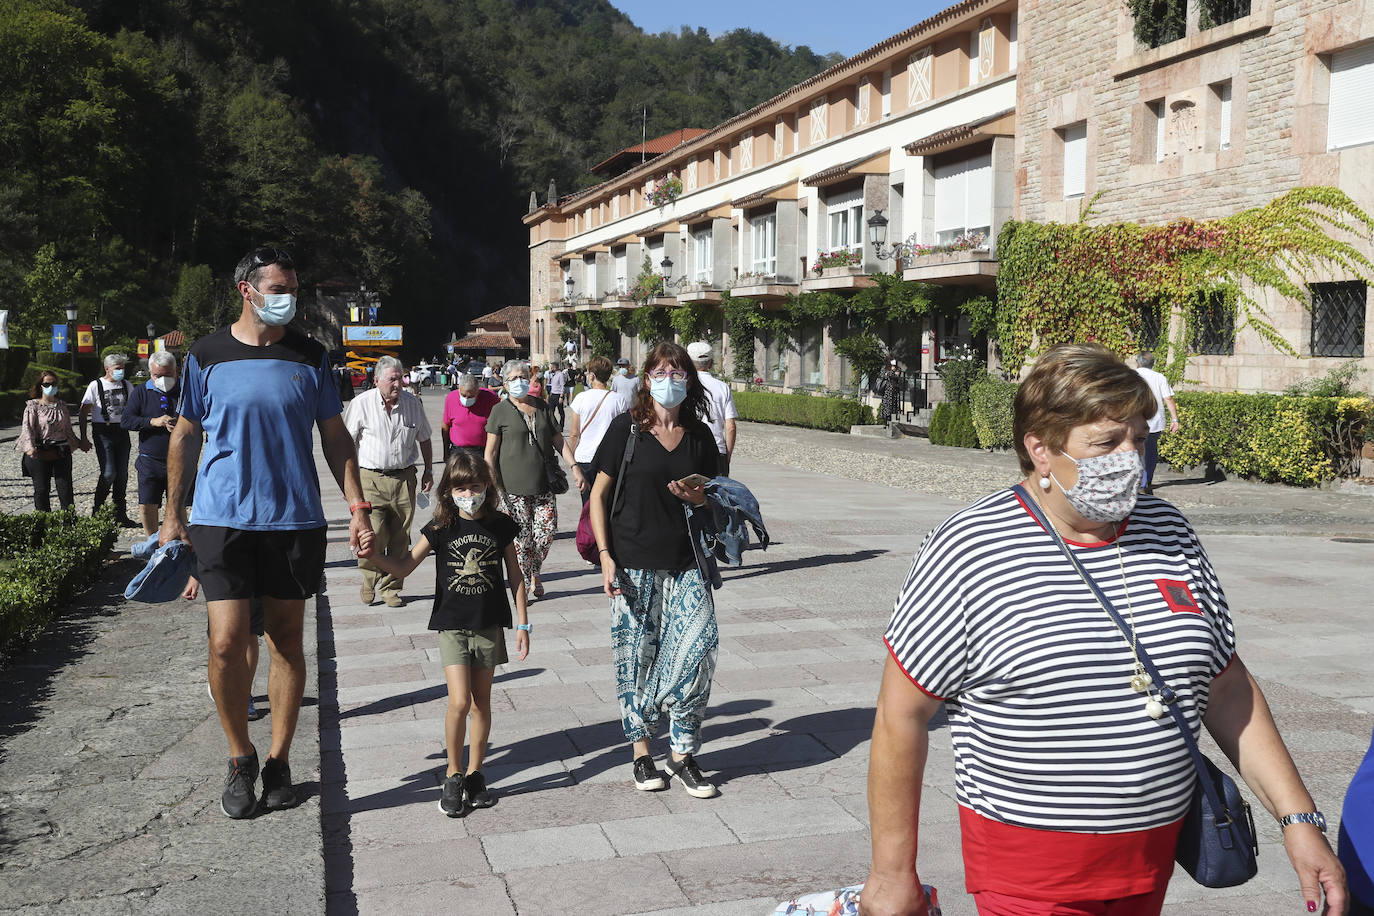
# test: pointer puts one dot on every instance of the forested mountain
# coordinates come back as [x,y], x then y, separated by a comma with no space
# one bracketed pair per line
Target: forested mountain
[145,144]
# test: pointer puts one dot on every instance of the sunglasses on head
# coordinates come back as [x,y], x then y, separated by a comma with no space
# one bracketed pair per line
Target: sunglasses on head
[266,255]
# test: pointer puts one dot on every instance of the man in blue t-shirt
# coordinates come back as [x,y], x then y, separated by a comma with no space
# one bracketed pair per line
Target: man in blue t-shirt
[256,391]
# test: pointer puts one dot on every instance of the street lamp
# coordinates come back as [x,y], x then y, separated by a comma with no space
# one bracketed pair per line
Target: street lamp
[571,297]
[668,282]
[877,236]
[71,333]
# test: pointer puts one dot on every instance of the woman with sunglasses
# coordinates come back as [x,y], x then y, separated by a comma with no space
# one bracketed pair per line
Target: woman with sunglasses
[663,629]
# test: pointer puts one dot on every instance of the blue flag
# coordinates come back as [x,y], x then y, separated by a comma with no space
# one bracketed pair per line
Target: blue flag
[59,338]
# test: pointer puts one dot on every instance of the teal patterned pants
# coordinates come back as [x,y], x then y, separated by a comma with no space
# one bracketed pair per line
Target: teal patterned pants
[664,640]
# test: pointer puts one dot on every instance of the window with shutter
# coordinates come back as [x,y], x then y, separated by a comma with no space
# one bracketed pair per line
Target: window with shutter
[1350,113]
[1075,160]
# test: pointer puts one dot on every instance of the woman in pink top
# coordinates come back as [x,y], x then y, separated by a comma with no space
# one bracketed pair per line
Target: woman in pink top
[465,416]
[47,440]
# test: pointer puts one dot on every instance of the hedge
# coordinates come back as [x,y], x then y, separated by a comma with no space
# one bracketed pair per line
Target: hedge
[952,424]
[45,560]
[836,414]
[1303,441]
[992,400]
[16,361]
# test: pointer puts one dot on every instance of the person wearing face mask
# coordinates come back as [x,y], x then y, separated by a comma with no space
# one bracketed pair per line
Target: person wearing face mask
[469,539]
[103,404]
[624,382]
[1071,777]
[522,441]
[253,395]
[152,413]
[466,410]
[46,441]
[663,629]
[592,412]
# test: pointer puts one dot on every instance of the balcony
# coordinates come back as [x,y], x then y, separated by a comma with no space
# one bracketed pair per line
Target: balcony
[699,292]
[763,287]
[970,265]
[838,278]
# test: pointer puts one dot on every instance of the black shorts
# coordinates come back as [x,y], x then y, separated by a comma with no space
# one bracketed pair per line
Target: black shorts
[246,564]
[152,480]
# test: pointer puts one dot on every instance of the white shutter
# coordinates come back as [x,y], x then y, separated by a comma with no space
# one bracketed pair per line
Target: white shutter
[979,180]
[1224,139]
[951,184]
[656,254]
[1075,160]
[592,289]
[1158,108]
[1350,114]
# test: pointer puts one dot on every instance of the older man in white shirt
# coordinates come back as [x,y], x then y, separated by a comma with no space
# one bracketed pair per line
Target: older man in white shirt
[721,403]
[392,432]
[1164,397]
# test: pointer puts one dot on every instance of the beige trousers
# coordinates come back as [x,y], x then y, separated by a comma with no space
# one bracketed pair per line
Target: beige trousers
[393,509]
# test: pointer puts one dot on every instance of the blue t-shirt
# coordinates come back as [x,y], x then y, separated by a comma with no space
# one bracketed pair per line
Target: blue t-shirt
[258,407]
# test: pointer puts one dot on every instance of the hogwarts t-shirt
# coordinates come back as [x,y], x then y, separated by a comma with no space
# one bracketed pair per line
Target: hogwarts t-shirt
[470,587]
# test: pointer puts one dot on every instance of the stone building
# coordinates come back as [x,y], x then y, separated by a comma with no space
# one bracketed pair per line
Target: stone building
[1255,98]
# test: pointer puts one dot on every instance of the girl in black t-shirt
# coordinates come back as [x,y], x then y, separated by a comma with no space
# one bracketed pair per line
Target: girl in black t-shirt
[471,613]
[663,630]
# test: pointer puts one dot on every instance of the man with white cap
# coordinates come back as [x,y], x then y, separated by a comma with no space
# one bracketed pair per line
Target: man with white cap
[722,413]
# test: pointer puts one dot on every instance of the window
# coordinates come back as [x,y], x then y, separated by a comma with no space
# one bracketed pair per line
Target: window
[774,358]
[963,199]
[1223,93]
[887,95]
[1158,109]
[656,255]
[701,255]
[1350,113]
[1149,324]
[764,230]
[811,353]
[593,291]
[1214,327]
[846,212]
[622,276]
[1338,318]
[1220,12]
[1075,160]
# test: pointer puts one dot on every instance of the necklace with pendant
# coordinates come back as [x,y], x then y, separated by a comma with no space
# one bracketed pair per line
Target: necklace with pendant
[1140,679]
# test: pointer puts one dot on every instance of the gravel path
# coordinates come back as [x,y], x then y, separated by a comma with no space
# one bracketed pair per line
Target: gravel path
[16,490]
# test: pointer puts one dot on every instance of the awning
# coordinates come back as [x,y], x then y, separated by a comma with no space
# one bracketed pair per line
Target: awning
[874,164]
[788,190]
[1002,124]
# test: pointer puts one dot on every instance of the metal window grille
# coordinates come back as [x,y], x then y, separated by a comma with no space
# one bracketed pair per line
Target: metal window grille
[1149,327]
[1214,329]
[1338,318]
[1219,12]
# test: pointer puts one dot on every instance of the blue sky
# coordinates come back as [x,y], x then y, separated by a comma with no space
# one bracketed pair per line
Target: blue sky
[824,26]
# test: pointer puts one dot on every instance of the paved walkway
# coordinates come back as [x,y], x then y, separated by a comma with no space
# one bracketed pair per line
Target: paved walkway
[112,757]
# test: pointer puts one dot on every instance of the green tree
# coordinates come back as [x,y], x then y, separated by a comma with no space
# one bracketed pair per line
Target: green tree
[199,301]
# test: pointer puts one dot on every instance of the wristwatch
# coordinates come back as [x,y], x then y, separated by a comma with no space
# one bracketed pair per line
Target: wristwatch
[1305,817]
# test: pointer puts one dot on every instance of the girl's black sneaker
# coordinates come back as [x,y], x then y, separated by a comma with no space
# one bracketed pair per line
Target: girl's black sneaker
[453,801]
[476,786]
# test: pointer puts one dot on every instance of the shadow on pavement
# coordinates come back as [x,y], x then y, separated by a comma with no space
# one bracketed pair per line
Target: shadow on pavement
[825,559]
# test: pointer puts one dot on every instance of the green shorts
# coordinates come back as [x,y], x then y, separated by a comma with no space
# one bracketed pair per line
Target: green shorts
[484,648]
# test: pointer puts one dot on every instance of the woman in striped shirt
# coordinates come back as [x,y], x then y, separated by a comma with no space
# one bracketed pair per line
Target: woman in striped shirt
[1071,796]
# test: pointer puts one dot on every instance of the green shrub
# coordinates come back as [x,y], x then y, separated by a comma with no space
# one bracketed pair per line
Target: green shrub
[45,560]
[991,401]
[959,375]
[1302,441]
[952,424]
[16,361]
[836,414]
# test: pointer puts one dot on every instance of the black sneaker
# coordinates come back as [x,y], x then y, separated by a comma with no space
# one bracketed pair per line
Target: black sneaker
[453,800]
[476,786]
[689,775]
[647,776]
[277,792]
[239,800]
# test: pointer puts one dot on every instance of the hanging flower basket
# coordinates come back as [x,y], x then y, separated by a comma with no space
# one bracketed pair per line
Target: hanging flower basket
[665,191]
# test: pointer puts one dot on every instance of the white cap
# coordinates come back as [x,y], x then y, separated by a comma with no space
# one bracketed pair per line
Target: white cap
[699,350]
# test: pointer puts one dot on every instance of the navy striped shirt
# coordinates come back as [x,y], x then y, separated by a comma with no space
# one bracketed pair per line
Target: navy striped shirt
[1047,732]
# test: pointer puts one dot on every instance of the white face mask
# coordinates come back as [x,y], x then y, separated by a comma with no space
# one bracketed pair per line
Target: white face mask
[469,504]
[1108,485]
[165,383]
[467,401]
[277,309]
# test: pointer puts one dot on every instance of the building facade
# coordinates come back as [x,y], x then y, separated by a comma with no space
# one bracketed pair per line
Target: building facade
[920,128]
[985,112]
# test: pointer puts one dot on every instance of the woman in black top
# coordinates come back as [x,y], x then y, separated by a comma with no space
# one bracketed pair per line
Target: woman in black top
[663,629]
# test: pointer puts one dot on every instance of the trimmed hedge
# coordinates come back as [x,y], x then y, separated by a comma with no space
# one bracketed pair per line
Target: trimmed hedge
[952,424]
[45,560]
[992,400]
[835,414]
[1303,441]
[16,361]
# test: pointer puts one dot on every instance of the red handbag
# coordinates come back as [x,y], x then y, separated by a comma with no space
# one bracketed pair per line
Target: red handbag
[586,541]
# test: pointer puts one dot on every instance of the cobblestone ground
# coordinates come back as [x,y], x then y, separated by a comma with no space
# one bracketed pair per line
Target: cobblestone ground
[111,758]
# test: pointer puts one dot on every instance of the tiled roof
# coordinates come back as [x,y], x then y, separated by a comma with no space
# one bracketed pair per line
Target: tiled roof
[654,147]
[173,339]
[489,342]
[514,318]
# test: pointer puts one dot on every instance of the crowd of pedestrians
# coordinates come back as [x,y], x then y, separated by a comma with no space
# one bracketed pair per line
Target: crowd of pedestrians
[1025,616]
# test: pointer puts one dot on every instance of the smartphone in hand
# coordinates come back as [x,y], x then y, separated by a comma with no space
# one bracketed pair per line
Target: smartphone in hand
[694,480]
